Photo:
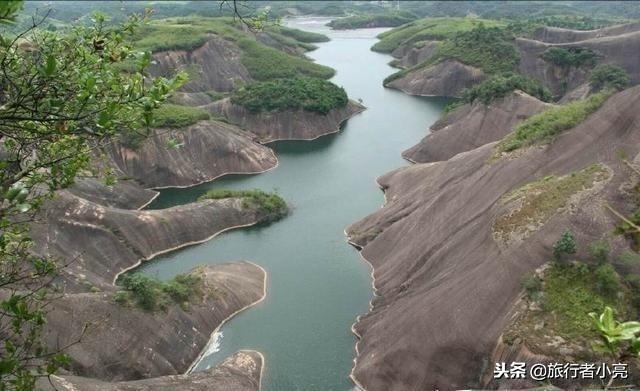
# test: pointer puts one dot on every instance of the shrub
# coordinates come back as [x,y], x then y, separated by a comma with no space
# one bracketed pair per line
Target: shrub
[532,285]
[609,76]
[566,245]
[607,280]
[302,36]
[571,57]
[300,93]
[151,294]
[270,205]
[544,126]
[176,116]
[501,85]
[265,63]
[600,251]
[393,19]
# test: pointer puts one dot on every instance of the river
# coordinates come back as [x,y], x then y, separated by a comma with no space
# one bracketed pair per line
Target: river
[317,283]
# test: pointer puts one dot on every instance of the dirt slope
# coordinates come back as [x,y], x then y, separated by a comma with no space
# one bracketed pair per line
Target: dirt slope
[472,126]
[207,150]
[240,372]
[440,276]
[285,125]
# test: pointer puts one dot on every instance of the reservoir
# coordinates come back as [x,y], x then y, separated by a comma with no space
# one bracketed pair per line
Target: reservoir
[317,284]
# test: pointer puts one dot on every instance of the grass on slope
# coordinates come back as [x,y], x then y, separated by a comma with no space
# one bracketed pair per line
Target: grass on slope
[300,93]
[387,19]
[271,205]
[176,116]
[538,201]
[428,29]
[545,126]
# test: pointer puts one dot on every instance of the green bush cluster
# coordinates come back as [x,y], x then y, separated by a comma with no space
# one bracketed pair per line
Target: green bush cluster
[299,93]
[265,63]
[389,19]
[572,57]
[565,246]
[176,116]
[551,122]
[427,29]
[609,76]
[270,205]
[491,49]
[152,294]
[302,36]
[500,86]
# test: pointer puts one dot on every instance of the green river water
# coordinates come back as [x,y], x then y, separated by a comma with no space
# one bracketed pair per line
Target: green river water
[317,283]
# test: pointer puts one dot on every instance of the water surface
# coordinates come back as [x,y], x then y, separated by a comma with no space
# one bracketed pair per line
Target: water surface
[317,283]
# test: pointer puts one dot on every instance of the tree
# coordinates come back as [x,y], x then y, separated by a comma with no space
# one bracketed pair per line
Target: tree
[566,245]
[609,76]
[62,97]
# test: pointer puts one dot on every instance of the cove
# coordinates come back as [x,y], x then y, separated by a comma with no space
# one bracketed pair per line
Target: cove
[317,284]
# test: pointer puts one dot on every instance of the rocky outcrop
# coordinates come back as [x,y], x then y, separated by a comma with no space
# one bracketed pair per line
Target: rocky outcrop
[441,276]
[125,193]
[562,35]
[446,78]
[286,124]
[414,54]
[622,50]
[240,372]
[216,65]
[207,150]
[100,242]
[472,126]
[118,342]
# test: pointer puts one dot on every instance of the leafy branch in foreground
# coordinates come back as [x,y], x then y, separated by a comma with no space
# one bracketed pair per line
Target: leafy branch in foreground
[62,96]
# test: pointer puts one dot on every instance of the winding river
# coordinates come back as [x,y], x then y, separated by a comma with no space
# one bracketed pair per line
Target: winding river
[317,283]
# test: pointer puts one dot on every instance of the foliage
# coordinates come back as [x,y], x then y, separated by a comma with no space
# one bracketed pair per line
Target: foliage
[152,294]
[270,205]
[488,48]
[607,281]
[62,97]
[300,93]
[566,245]
[532,285]
[600,251]
[543,127]
[538,201]
[570,294]
[572,57]
[431,29]
[500,86]
[176,116]
[301,35]
[387,19]
[265,63]
[608,76]
[614,334]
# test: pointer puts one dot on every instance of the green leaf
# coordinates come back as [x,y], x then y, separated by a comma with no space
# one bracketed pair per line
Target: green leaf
[50,66]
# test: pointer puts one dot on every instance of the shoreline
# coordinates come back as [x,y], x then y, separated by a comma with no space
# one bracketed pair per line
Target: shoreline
[225,320]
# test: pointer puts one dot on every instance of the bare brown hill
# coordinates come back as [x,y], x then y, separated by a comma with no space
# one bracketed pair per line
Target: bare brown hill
[446,78]
[472,126]
[442,275]
[206,151]
[240,372]
[285,124]
[563,35]
[119,342]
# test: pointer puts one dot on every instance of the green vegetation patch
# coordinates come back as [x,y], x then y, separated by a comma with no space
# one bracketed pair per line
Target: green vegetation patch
[301,35]
[428,30]
[270,205]
[535,203]
[387,19]
[609,76]
[570,57]
[300,93]
[151,294]
[500,86]
[177,116]
[543,127]
[265,63]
